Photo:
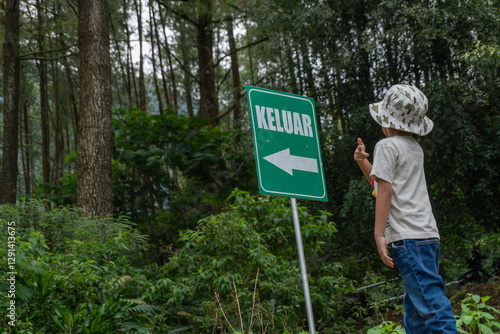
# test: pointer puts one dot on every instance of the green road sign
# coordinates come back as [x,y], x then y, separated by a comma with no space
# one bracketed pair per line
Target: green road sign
[286,143]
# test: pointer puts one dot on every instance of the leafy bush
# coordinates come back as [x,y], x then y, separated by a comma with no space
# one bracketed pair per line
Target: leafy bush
[73,274]
[244,260]
[387,327]
[174,167]
[476,316]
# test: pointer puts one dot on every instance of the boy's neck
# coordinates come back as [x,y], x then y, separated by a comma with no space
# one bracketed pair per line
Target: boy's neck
[395,132]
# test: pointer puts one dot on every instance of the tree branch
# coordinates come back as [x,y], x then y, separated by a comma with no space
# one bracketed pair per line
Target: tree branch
[181,64]
[53,58]
[45,51]
[243,94]
[181,15]
[241,48]
[231,108]
[224,79]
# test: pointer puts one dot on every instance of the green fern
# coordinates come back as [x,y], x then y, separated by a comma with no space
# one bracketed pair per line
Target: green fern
[133,301]
[23,292]
[144,309]
[121,282]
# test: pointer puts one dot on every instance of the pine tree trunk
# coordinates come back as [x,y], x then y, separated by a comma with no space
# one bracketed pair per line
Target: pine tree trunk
[129,64]
[58,135]
[187,82]
[131,74]
[170,65]
[72,99]
[166,93]
[209,109]
[328,88]
[153,57]
[11,72]
[26,152]
[142,84]
[124,83]
[252,80]
[291,68]
[235,70]
[21,149]
[94,188]
[44,100]
[309,77]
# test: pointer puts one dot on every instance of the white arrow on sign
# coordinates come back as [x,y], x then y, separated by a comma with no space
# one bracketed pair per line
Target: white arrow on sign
[288,163]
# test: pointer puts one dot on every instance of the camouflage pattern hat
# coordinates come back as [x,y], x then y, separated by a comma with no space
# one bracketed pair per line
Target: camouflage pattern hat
[403,108]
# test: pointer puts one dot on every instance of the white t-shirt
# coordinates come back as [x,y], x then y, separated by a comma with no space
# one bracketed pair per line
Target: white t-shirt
[399,160]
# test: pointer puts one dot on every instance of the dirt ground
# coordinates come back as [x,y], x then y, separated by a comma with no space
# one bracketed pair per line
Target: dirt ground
[456,296]
[483,290]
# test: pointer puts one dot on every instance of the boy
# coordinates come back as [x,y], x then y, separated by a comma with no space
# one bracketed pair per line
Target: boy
[403,213]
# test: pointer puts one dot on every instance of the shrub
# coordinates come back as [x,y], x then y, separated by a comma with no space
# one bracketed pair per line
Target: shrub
[73,274]
[476,316]
[254,235]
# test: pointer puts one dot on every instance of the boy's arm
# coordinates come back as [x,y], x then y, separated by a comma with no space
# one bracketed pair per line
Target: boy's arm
[361,158]
[382,206]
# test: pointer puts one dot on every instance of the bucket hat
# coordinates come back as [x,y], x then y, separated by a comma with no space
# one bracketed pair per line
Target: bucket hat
[403,108]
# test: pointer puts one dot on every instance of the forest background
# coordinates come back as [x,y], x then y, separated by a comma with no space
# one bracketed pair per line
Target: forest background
[145,119]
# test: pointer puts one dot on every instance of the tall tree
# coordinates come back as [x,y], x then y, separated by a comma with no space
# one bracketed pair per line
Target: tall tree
[124,83]
[209,106]
[25,145]
[169,58]
[153,57]
[142,84]
[186,60]
[160,58]
[11,72]
[57,170]
[94,188]
[44,98]
[130,65]
[235,69]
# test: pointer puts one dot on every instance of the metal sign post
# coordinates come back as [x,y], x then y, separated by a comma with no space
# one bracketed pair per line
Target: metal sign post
[303,269]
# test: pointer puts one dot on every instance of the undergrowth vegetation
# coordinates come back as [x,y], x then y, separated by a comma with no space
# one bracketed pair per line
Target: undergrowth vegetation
[235,272]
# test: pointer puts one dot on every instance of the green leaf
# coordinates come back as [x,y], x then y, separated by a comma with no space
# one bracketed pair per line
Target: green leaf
[68,317]
[486,315]
[96,323]
[467,319]
[485,329]
[58,311]
[58,323]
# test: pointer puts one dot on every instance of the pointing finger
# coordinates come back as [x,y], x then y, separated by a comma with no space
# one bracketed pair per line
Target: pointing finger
[359,153]
[360,142]
[361,145]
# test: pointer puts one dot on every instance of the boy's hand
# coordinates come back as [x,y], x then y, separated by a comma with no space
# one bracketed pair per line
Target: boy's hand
[360,154]
[383,252]
[361,158]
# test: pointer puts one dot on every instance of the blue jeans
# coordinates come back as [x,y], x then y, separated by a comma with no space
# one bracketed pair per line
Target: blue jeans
[427,309]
